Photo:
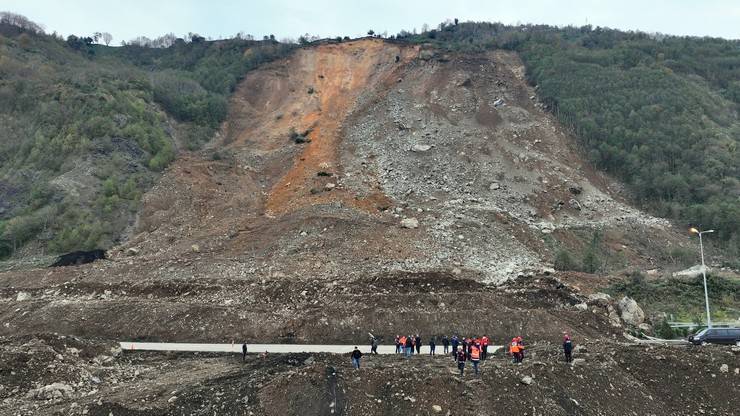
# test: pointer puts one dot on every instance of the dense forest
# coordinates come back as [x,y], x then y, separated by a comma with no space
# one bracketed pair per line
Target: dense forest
[86,128]
[659,112]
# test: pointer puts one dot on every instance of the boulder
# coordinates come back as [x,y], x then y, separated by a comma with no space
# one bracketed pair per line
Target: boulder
[581,307]
[724,368]
[631,312]
[601,299]
[527,380]
[691,272]
[195,248]
[22,296]
[410,223]
[132,252]
[426,54]
[437,408]
[116,351]
[613,316]
[494,186]
[421,148]
[329,186]
[52,391]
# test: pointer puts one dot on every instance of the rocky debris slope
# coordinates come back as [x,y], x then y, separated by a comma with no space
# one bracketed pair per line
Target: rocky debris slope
[463,148]
[408,162]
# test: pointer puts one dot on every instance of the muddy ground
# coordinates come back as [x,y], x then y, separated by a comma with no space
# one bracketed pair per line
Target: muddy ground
[607,379]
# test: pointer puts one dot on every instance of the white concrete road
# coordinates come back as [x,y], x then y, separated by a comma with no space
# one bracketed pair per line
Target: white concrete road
[270,348]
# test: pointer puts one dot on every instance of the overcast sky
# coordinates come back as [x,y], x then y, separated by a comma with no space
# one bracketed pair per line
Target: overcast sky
[285,18]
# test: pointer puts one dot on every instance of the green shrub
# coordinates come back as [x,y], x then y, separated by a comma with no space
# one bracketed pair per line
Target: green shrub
[664,330]
[564,261]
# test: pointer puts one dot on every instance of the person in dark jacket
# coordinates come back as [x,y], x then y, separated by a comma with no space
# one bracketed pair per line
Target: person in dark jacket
[398,344]
[461,356]
[409,347]
[244,351]
[455,342]
[432,346]
[418,343]
[446,344]
[356,355]
[568,349]
[374,346]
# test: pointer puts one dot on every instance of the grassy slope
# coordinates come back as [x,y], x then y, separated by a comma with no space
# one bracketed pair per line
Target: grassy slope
[684,298]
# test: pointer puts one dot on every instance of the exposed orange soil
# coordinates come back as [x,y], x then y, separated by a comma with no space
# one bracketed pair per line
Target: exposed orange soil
[274,102]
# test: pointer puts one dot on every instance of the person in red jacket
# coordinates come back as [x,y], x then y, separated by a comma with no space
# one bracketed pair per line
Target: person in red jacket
[461,356]
[568,349]
[484,347]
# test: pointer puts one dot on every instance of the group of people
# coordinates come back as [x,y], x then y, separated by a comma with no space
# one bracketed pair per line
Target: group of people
[463,349]
[408,344]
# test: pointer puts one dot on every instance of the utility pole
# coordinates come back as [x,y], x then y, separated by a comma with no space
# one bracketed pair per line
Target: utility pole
[704,271]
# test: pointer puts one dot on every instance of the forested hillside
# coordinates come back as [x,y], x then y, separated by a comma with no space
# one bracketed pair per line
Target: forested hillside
[86,128]
[659,112]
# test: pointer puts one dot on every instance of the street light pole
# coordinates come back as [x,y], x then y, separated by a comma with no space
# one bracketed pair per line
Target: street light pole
[704,272]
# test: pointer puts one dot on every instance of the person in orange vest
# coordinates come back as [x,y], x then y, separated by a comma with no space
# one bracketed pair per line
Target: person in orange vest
[484,347]
[460,357]
[514,350]
[475,356]
[402,343]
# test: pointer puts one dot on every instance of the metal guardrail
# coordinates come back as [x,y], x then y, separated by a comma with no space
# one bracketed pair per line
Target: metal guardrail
[733,324]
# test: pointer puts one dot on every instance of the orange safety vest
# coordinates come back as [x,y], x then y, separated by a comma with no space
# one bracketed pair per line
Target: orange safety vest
[514,348]
[403,341]
[475,353]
